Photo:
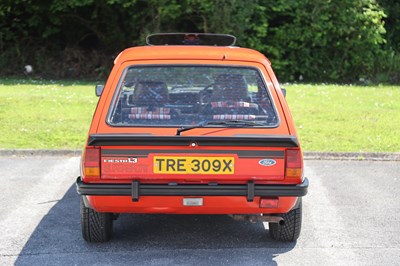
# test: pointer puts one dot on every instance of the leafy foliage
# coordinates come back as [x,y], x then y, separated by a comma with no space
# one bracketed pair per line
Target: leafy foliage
[392,22]
[324,40]
[337,41]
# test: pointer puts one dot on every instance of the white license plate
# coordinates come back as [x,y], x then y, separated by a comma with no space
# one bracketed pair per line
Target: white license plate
[193,202]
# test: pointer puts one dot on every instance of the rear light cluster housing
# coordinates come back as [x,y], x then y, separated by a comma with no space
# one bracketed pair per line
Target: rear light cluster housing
[293,165]
[91,164]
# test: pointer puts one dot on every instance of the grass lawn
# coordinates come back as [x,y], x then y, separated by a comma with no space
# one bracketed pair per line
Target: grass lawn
[45,115]
[346,118]
[56,115]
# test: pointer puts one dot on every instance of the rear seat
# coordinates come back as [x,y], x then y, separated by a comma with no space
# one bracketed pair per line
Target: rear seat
[149,99]
[231,100]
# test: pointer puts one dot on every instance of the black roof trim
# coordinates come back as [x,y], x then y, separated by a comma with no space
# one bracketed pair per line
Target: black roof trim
[209,39]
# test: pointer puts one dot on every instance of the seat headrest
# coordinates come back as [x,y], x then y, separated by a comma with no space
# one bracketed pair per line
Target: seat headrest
[230,87]
[151,93]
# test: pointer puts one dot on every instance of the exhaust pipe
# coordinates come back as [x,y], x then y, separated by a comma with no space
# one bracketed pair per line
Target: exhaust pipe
[258,218]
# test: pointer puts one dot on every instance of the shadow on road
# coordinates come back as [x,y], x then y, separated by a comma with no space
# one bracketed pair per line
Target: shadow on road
[150,239]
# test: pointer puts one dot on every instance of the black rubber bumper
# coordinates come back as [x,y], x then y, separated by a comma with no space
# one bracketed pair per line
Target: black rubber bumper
[135,190]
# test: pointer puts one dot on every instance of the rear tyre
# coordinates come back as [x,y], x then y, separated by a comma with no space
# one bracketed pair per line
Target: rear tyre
[96,226]
[290,231]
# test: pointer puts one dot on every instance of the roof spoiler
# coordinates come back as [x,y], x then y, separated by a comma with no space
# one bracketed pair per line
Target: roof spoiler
[208,39]
[235,141]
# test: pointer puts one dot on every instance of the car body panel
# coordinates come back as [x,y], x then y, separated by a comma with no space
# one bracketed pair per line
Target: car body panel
[173,205]
[125,163]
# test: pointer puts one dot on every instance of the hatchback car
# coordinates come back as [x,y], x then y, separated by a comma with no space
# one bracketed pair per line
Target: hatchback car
[191,124]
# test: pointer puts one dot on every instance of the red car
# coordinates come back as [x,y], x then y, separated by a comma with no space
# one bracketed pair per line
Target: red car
[191,124]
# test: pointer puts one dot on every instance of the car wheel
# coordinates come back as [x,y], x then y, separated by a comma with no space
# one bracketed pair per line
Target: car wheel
[290,230]
[96,226]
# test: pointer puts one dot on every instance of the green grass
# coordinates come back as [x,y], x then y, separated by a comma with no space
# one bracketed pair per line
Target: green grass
[346,118]
[57,115]
[45,115]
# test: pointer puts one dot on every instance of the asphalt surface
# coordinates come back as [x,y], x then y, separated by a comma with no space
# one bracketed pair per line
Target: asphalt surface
[351,216]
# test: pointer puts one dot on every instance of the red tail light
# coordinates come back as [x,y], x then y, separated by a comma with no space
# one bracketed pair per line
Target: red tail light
[294,164]
[91,164]
[269,202]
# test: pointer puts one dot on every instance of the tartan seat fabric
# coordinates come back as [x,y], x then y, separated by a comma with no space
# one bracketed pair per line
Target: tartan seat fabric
[149,99]
[149,113]
[233,110]
[233,104]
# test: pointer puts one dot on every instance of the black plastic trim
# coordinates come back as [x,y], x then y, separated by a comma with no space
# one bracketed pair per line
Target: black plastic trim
[250,191]
[202,39]
[240,153]
[135,190]
[134,140]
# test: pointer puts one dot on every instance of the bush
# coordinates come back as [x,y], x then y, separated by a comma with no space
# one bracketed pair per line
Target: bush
[324,40]
[340,41]
[387,68]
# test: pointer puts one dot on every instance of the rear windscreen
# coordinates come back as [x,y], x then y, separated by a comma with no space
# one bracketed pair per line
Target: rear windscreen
[191,95]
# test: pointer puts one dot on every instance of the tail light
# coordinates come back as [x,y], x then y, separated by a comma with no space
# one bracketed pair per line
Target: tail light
[91,164]
[294,164]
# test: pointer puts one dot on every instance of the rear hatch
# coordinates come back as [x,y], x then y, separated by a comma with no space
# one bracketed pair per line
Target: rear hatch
[234,126]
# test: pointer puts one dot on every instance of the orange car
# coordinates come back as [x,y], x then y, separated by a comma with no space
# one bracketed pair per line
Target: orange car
[191,124]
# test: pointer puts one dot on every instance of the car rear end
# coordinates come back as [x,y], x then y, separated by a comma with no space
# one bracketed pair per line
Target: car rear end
[193,136]
[192,175]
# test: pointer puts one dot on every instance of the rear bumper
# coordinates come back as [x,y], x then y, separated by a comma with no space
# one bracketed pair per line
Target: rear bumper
[136,190]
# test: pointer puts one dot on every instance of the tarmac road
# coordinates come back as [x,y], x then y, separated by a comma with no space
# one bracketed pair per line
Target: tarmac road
[351,217]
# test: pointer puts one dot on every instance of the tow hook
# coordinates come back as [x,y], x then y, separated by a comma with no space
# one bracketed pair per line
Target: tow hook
[258,218]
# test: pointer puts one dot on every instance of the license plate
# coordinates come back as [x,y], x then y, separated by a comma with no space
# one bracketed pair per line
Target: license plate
[193,165]
[193,202]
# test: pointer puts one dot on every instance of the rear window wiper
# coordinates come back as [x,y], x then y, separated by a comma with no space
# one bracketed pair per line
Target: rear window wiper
[227,123]
[235,123]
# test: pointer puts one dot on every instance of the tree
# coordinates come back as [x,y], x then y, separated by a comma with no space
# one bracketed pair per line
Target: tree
[319,40]
[324,40]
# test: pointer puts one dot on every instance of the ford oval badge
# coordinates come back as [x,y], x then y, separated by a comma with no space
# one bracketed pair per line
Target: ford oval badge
[267,162]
